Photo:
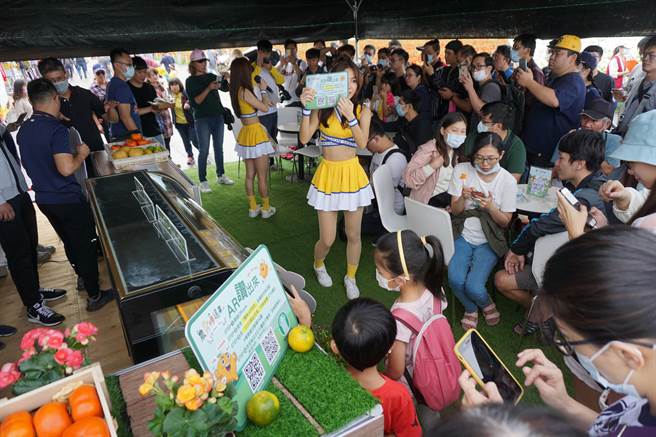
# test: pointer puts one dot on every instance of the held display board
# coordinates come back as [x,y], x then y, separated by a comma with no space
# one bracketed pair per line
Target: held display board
[329,87]
[241,330]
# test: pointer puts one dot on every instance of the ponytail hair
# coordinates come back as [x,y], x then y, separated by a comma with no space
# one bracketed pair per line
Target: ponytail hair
[424,262]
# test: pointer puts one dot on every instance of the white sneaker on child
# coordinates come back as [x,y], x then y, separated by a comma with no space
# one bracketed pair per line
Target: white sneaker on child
[323,277]
[352,290]
[267,213]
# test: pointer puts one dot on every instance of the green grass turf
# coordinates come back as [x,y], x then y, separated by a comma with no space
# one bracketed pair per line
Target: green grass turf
[290,236]
[119,411]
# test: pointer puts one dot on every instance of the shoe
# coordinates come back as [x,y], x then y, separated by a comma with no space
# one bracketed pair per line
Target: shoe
[95,303]
[50,294]
[80,284]
[43,315]
[323,277]
[205,187]
[252,213]
[352,290]
[190,161]
[225,180]
[4,271]
[49,249]
[6,330]
[42,256]
[267,213]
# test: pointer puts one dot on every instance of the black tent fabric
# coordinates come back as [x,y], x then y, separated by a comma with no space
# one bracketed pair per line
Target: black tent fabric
[65,28]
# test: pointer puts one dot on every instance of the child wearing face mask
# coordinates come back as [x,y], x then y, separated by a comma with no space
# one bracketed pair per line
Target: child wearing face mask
[430,170]
[484,197]
[413,267]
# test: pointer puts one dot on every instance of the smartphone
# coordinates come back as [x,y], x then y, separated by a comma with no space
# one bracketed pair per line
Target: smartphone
[463,69]
[485,366]
[523,64]
[567,194]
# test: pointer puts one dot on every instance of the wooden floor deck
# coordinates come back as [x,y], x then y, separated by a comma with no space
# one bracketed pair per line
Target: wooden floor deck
[109,349]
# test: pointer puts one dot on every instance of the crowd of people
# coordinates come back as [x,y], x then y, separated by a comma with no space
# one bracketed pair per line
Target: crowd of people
[458,132]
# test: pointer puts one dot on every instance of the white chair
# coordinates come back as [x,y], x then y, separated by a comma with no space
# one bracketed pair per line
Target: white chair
[424,219]
[384,189]
[544,248]
[310,151]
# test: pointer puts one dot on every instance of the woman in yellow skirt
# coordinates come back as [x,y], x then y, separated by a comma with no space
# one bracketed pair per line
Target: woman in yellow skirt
[253,142]
[340,183]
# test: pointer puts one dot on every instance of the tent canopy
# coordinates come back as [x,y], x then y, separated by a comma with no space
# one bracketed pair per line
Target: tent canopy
[66,28]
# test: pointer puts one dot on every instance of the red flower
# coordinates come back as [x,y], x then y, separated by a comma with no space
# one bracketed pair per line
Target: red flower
[27,354]
[86,329]
[75,359]
[52,339]
[61,356]
[27,341]
[9,374]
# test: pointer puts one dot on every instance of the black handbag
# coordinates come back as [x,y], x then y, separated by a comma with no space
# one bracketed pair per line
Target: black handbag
[228,118]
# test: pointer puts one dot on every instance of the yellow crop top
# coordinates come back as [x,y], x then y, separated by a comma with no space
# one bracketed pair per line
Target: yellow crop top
[335,134]
[245,108]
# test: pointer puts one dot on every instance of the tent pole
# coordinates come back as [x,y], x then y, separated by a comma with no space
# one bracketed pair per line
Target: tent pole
[355,7]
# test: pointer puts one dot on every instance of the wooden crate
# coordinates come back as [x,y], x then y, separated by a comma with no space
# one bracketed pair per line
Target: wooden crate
[32,400]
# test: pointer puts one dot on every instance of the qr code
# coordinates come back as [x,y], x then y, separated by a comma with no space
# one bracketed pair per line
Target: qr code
[270,346]
[254,372]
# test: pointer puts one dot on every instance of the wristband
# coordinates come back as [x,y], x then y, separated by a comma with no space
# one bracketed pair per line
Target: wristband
[353,122]
[306,112]
[263,91]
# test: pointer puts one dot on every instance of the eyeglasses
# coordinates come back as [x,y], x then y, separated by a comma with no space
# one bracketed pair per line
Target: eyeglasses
[649,57]
[565,346]
[478,159]
[124,63]
[478,67]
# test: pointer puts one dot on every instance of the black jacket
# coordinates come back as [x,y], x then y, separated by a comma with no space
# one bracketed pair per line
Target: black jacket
[549,223]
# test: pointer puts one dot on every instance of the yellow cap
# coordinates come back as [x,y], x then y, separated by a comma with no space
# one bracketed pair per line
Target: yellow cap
[567,42]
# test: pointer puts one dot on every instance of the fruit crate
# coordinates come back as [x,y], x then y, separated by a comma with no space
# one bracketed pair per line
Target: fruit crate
[134,161]
[32,400]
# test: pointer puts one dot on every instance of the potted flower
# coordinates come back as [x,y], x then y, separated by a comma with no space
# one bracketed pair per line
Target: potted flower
[199,406]
[48,355]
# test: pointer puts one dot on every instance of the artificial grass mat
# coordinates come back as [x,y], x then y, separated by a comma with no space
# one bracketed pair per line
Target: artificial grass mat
[290,236]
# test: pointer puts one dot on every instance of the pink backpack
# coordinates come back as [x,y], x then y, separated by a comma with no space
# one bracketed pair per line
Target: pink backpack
[434,380]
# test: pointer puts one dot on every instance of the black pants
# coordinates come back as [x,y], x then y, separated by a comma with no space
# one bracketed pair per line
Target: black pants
[74,225]
[188,134]
[18,239]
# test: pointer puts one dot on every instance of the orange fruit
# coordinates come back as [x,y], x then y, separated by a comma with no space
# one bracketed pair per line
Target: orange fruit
[51,420]
[263,408]
[84,402]
[301,338]
[88,427]
[17,425]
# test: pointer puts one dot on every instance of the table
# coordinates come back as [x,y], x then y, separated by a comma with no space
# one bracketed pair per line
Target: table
[535,205]
[294,128]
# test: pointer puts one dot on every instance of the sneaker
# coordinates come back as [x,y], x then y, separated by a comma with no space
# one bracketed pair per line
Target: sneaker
[6,330]
[50,294]
[80,284]
[99,301]
[42,256]
[352,290]
[205,187]
[266,213]
[252,213]
[49,249]
[225,180]
[43,315]
[4,271]
[190,161]
[323,277]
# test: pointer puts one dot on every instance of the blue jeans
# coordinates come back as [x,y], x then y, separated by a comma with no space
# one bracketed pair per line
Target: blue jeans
[468,272]
[188,134]
[206,127]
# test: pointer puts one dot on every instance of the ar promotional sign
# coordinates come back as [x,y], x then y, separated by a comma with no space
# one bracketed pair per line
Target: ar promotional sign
[240,331]
[329,87]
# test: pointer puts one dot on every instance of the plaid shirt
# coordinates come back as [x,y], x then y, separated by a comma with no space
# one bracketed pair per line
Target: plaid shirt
[166,122]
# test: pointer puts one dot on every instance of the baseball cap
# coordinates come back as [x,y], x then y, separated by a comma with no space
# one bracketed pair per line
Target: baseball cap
[97,68]
[197,55]
[139,63]
[598,109]
[567,42]
[589,60]
[639,143]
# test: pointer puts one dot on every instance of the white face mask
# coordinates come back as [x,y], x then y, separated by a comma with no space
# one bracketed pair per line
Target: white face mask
[384,282]
[480,75]
[482,127]
[455,140]
[493,170]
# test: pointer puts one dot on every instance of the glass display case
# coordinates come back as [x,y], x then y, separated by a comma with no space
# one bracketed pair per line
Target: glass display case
[164,252]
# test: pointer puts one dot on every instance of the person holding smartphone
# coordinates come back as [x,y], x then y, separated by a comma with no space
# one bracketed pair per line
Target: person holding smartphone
[340,183]
[609,328]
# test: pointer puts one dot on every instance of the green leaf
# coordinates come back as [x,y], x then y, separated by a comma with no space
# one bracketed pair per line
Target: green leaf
[198,421]
[26,385]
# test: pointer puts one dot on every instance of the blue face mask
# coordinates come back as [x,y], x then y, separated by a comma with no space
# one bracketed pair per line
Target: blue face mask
[369,59]
[400,110]
[61,86]
[482,127]
[623,388]
[129,72]
[383,62]
[429,59]
[514,55]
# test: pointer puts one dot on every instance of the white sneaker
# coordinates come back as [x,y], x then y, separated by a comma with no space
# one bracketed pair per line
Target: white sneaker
[352,290]
[252,213]
[323,277]
[266,213]
[205,187]
[225,180]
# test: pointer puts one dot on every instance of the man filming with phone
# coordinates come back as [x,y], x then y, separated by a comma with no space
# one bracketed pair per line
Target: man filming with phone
[578,166]
[263,67]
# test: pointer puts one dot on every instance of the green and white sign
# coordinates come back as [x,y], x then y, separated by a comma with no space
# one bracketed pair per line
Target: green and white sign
[241,330]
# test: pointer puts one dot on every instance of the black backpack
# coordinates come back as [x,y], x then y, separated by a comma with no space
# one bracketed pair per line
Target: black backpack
[514,97]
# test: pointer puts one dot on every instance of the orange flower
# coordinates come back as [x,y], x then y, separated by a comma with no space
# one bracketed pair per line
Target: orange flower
[186,393]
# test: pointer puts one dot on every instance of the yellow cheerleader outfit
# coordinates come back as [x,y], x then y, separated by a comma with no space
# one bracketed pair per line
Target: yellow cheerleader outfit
[253,140]
[339,185]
